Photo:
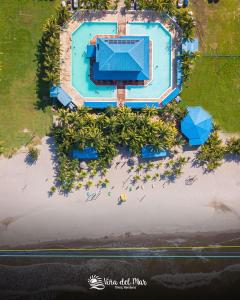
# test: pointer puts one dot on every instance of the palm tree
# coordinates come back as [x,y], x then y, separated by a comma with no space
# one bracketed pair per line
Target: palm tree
[89,183]
[53,189]
[187,24]
[106,181]
[103,172]
[131,168]
[147,177]
[212,152]
[136,178]
[63,15]
[93,173]
[111,111]
[170,163]
[178,172]
[51,29]
[150,111]
[158,165]
[168,173]
[82,175]
[181,160]
[156,176]
[33,153]
[79,186]
[140,167]
[149,166]
[100,183]
[232,146]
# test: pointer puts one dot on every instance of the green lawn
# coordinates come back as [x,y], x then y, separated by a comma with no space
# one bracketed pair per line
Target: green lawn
[215,82]
[20,30]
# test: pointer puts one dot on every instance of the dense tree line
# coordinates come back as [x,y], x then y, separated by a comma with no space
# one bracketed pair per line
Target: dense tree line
[109,130]
[50,46]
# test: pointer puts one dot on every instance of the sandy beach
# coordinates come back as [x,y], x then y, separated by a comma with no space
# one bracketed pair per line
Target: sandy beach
[28,214]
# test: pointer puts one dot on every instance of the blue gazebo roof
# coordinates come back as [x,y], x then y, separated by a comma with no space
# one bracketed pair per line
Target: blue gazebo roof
[122,58]
[191,46]
[149,152]
[91,51]
[87,153]
[60,94]
[197,125]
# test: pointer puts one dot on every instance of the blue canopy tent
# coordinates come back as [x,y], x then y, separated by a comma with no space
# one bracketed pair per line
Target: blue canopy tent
[100,104]
[191,46]
[197,125]
[86,153]
[140,104]
[61,95]
[149,152]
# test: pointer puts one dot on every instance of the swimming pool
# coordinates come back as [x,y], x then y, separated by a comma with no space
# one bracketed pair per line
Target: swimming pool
[80,63]
[161,57]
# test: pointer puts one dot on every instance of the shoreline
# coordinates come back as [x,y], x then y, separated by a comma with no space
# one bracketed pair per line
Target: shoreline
[174,240]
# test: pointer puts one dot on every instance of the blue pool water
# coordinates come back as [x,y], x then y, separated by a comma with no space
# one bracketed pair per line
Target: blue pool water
[80,63]
[161,55]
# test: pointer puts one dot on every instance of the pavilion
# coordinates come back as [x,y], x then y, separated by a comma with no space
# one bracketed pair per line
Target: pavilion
[197,125]
[122,58]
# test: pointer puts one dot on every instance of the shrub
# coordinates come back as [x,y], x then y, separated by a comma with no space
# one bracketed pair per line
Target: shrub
[105,132]
[49,47]
[186,22]
[53,189]
[212,152]
[233,146]
[127,4]
[1,147]
[33,153]
[188,60]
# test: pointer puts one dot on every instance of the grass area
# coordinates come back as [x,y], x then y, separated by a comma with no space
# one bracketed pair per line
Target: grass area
[20,30]
[214,83]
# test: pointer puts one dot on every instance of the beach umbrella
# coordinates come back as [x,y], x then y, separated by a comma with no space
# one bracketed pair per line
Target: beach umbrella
[83,165]
[197,125]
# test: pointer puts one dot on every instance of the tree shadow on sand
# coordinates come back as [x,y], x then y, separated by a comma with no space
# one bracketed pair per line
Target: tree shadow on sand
[232,157]
[53,150]
[29,160]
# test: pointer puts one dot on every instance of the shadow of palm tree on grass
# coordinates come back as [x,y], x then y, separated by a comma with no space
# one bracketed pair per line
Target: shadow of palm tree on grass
[42,87]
